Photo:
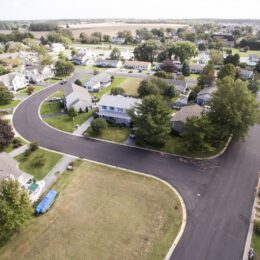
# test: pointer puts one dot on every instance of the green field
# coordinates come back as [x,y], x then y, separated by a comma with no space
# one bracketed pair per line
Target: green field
[101,213]
[111,133]
[130,86]
[245,54]
[65,122]
[13,104]
[26,164]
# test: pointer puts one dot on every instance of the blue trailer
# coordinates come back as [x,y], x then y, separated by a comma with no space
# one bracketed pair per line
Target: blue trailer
[46,202]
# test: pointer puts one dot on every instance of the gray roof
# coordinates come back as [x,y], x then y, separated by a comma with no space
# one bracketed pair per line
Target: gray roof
[118,101]
[180,85]
[188,112]
[107,61]
[246,73]
[207,91]
[101,77]
[8,167]
[74,88]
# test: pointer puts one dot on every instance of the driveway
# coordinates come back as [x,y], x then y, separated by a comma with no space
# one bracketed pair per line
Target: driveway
[218,193]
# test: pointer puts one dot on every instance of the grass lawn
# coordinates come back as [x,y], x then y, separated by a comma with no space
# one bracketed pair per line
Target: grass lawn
[130,86]
[65,122]
[117,81]
[101,213]
[52,81]
[13,104]
[26,164]
[112,133]
[245,54]
[11,147]
[50,107]
[23,91]
[193,76]
[255,243]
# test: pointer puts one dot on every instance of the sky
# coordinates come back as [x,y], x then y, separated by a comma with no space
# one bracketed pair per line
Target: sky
[175,9]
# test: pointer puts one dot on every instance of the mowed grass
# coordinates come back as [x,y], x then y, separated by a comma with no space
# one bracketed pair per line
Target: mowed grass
[102,213]
[13,104]
[50,107]
[130,86]
[245,54]
[255,243]
[26,164]
[65,122]
[9,148]
[24,90]
[111,133]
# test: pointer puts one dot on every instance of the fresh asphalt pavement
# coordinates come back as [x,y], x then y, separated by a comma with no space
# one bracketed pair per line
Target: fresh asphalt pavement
[218,193]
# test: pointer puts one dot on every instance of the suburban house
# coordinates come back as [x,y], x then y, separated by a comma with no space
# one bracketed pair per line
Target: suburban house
[253,58]
[10,171]
[115,108]
[77,97]
[138,65]
[246,74]
[84,57]
[205,95]
[180,85]
[126,54]
[39,73]
[204,58]
[196,68]
[180,118]
[180,102]
[98,82]
[14,81]
[118,40]
[108,63]
[57,47]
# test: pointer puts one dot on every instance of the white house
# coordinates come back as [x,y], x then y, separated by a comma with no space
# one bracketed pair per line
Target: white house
[57,47]
[98,82]
[205,95]
[77,97]
[118,40]
[84,58]
[196,68]
[138,65]
[108,63]
[39,73]
[126,54]
[14,81]
[246,74]
[115,108]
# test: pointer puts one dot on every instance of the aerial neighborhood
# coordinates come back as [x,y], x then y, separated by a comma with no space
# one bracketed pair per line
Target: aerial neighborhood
[165,99]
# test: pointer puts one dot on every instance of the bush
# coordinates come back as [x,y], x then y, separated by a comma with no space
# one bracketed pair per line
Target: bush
[73,112]
[27,153]
[95,71]
[29,90]
[78,82]
[17,143]
[34,146]
[39,161]
[98,125]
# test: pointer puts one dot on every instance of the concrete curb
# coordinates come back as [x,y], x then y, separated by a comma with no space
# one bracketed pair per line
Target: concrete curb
[251,225]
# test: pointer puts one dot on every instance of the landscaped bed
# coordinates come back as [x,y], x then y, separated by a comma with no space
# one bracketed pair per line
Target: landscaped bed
[27,163]
[102,213]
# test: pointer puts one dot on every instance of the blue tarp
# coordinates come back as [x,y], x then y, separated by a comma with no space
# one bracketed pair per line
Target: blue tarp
[46,202]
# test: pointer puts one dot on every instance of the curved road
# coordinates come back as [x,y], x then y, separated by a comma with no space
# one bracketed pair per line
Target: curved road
[218,194]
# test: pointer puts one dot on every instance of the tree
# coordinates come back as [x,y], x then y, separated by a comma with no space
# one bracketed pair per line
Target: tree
[234,108]
[74,51]
[30,90]
[6,133]
[161,74]
[185,50]
[207,76]
[233,59]
[46,60]
[117,91]
[148,51]
[3,70]
[151,118]
[186,69]
[15,207]
[254,86]
[98,125]
[64,68]
[34,146]
[6,96]
[73,112]
[98,35]
[257,67]
[168,66]
[115,54]
[217,57]
[227,70]
[106,38]
[78,82]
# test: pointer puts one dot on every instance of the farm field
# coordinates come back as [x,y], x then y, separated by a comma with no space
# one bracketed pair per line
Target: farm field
[101,213]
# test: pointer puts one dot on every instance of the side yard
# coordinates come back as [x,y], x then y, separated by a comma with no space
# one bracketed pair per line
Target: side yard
[102,213]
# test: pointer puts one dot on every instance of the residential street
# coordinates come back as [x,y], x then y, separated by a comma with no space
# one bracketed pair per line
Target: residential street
[218,194]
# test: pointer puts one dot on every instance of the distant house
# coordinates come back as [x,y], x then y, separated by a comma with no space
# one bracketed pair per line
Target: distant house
[196,68]
[205,95]
[14,81]
[82,59]
[10,171]
[246,74]
[253,58]
[57,47]
[180,118]
[109,63]
[115,108]
[126,54]
[203,58]
[118,40]
[138,65]
[39,73]
[181,102]
[180,85]
[77,97]
[98,82]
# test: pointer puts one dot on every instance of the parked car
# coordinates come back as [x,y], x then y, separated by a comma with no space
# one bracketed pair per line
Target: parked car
[63,82]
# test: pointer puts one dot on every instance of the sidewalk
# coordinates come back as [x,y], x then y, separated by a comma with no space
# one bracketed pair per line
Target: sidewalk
[82,128]
[19,150]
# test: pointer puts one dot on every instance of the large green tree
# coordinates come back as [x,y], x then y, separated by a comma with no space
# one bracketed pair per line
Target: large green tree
[15,207]
[64,68]
[227,70]
[185,50]
[234,109]
[151,118]
[207,76]
[185,69]
[6,96]
[115,54]
[148,51]
[6,133]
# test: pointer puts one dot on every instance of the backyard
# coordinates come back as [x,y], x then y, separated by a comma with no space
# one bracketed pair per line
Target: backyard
[102,213]
[130,86]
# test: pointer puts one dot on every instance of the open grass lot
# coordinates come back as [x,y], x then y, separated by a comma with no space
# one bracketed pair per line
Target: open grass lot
[117,81]
[26,164]
[13,104]
[9,148]
[245,54]
[65,122]
[130,86]
[111,133]
[102,213]
[24,90]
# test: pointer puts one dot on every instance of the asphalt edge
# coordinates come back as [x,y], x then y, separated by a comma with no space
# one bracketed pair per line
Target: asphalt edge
[251,225]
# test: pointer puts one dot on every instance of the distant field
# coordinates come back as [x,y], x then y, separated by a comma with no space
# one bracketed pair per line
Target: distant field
[108,28]
[101,213]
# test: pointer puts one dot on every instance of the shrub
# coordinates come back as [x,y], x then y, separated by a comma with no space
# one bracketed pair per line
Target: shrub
[95,71]
[27,153]
[34,146]
[17,143]
[30,90]
[39,161]
[98,125]
[257,227]
[78,82]
[73,112]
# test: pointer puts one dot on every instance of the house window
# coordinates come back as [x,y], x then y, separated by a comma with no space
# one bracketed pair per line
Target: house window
[120,109]
[104,107]
[111,108]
